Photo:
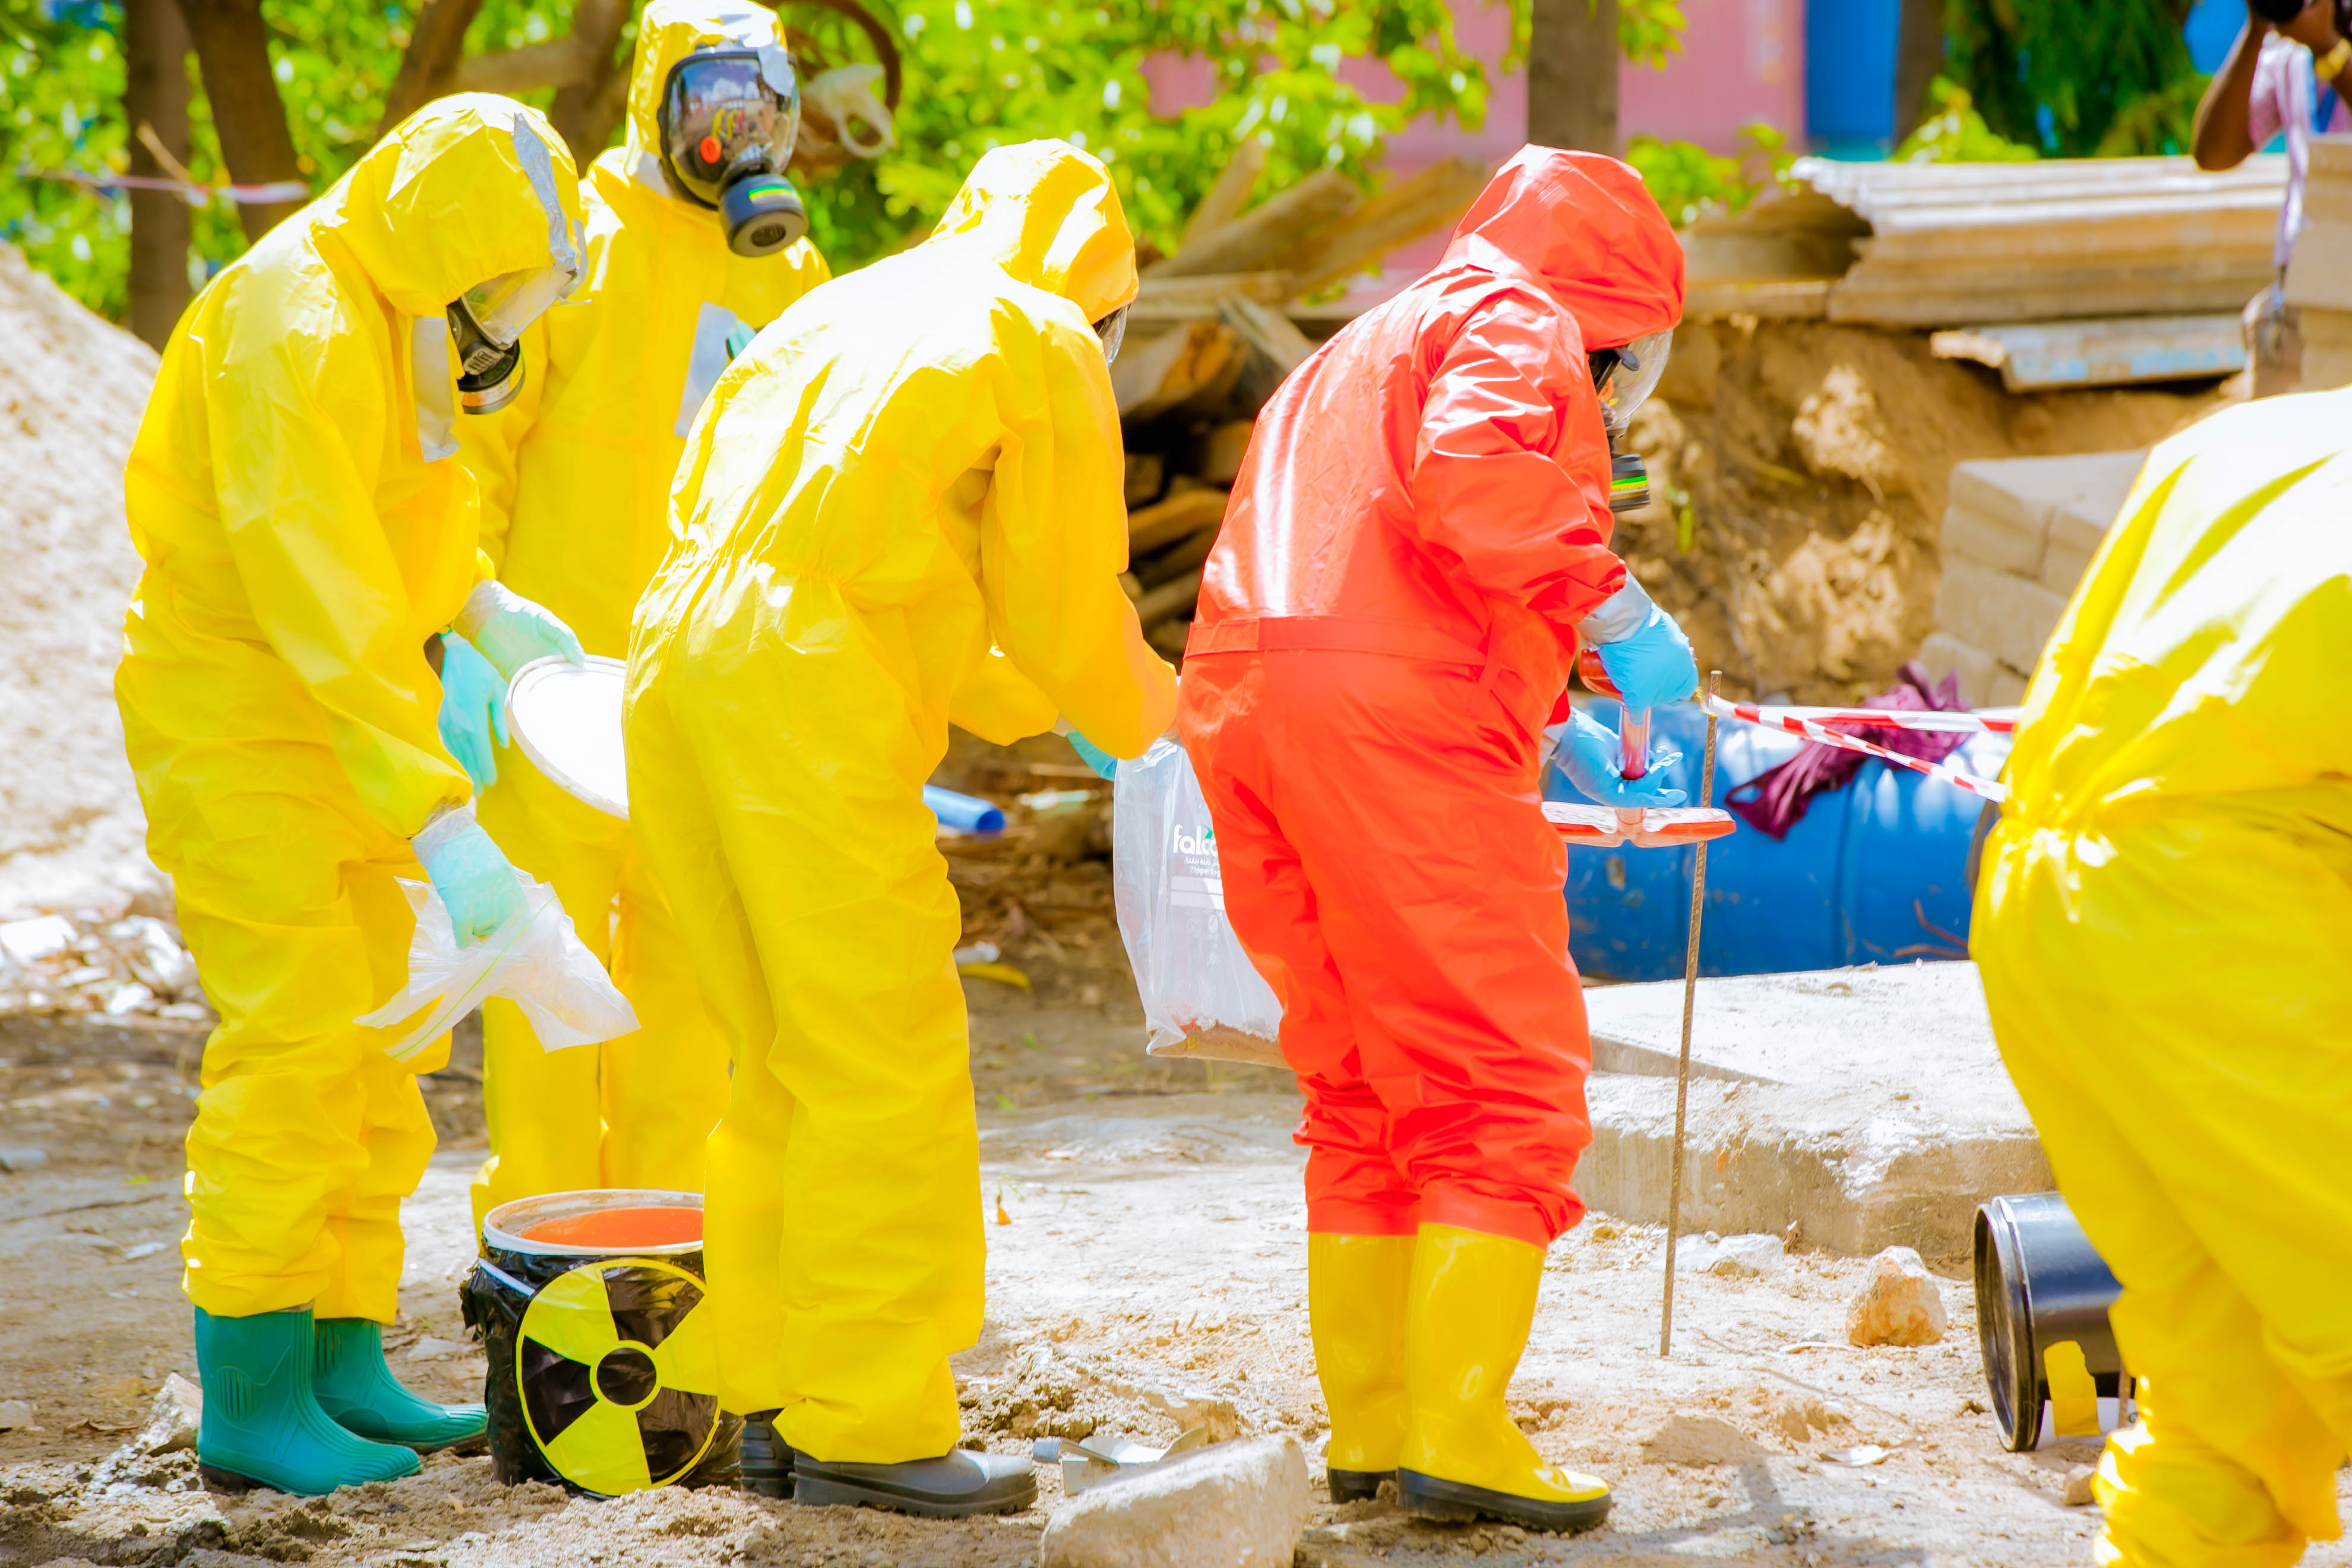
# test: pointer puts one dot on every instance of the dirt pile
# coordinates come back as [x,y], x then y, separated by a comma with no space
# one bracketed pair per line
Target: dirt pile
[1797,471]
[73,388]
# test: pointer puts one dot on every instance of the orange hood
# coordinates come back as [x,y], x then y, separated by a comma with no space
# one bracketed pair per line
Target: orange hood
[1584,227]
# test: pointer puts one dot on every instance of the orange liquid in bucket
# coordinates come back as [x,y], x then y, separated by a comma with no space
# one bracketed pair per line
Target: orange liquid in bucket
[620,1230]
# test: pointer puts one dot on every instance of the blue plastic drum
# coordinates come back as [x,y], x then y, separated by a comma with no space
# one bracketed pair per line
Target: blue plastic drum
[1876,872]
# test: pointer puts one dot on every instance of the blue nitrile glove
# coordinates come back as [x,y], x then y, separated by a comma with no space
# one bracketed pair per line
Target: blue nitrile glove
[510,630]
[1094,756]
[1589,751]
[473,709]
[478,884]
[1647,657]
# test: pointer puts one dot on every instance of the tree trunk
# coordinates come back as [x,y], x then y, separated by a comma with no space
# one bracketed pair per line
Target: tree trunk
[233,49]
[1572,55]
[1918,59]
[156,96]
[577,112]
[436,44]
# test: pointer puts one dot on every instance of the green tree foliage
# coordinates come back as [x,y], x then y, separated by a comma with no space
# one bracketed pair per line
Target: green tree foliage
[978,73]
[1956,133]
[2076,78]
[1688,181]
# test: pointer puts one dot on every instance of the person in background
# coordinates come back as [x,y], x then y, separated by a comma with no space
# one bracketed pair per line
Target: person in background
[2164,929]
[575,475]
[307,535]
[901,508]
[2261,92]
[1416,545]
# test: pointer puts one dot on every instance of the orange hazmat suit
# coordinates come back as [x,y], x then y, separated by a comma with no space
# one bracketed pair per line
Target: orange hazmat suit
[1385,626]
[575,478]
[901,506]
[293,492]
[2165,932]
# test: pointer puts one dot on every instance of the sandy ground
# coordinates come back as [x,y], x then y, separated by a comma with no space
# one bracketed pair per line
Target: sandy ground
[1145,1273]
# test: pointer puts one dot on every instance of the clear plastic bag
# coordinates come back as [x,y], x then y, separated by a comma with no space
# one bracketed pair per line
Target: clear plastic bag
[1202,996]
[536,960]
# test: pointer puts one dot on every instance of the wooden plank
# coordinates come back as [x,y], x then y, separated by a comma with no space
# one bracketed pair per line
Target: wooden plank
[1269,332]
[1156,375]
[1230,194]
[1769,299]
[1250,241]
[1435,198]
[2112,351]
[1185,556]
[1166,302]
[1185,513]
[1168,600]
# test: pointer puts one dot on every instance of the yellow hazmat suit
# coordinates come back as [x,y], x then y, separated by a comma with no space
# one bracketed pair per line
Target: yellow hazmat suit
[2164,929]
[575,478]
[901,508]
[304,533]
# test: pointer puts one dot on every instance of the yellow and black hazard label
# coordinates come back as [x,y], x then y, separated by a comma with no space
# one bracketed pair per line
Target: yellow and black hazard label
[617,1365]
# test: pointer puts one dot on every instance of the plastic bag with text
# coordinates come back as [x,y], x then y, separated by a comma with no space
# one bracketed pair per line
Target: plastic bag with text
[536,960]
[1202,996]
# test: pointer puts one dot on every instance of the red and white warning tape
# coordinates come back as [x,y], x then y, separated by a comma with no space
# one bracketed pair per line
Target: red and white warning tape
[1796,722]
[1867,718]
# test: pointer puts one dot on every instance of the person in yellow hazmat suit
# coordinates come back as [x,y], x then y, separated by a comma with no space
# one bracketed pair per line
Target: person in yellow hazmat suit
[575,475]
[902,508]
[2165,932]
[306,531]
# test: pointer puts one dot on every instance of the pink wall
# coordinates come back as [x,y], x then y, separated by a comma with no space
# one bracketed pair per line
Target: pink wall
[1742,61]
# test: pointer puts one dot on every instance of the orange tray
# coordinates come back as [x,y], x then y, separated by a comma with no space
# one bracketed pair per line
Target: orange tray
[1661,828]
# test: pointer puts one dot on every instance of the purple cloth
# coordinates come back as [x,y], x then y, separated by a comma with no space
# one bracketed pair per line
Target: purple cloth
[1776,799]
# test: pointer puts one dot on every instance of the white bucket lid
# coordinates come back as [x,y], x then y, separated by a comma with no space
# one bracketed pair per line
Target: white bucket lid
[503,1226]
[567,719]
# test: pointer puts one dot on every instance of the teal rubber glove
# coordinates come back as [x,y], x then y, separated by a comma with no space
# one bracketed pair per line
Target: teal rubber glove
[473,721]
[1104,764]
[1588,752]
[512,631]
[478,884]
[1646,655]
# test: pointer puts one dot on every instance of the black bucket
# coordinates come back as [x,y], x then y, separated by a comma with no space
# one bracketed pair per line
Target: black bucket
[603,1366]
[2043,1295]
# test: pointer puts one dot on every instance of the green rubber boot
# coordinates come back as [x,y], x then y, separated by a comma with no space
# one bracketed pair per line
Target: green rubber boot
[359,1390]
[262,1423]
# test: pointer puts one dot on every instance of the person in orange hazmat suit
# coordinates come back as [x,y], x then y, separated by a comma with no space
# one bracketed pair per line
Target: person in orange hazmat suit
[576,478]
[1417,541]
[305,533]
[902,507]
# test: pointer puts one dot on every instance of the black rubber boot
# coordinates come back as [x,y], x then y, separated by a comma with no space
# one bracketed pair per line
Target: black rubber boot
[957,1484]
[767,1458]
[1433,1497]
[1356,1486]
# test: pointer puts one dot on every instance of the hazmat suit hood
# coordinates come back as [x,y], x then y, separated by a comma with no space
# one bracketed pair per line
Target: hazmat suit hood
[1584,227]
[467,189]
[1048,214]
[668,32]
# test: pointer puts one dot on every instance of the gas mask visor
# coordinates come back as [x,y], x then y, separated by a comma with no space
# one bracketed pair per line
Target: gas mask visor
[1624,377]
[728,118]
[1112,330]
[487,321]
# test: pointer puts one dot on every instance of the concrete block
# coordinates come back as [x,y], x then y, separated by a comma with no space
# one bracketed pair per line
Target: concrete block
[2008,689]
[1237,1505]
[2002,539]
[171,1422]
[1943,654]
[1868,1107]
[2327,347]
[1898,1304]
[2007,616]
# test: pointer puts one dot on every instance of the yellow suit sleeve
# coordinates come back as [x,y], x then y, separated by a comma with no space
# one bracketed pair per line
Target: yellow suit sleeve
[1054,536]
[298,423]
[1000,704]
[490,446]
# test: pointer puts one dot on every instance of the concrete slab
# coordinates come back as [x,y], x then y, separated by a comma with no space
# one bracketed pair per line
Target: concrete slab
[1868,1108]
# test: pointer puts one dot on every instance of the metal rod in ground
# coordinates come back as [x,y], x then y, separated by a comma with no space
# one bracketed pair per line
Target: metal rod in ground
[1690,995]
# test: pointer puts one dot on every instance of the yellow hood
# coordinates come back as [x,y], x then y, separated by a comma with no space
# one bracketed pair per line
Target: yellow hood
[458,195]
[668,32]
[1048,214]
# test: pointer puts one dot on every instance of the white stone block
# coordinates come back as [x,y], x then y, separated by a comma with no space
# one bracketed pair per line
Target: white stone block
[171,1422]
[1943,654]
[2007,616]
[1236,1505]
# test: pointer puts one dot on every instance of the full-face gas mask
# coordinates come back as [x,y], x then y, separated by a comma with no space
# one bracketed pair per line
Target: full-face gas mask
[487,322]
[728,117]
[1623,378]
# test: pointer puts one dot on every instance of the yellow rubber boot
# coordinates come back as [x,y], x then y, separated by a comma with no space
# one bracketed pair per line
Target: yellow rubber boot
[1356,1289]
[1471,1303]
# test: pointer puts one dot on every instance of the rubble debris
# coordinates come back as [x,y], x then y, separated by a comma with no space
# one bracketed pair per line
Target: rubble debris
[1899,1305]
[112,969]
[2078,1492]
[1797,1419]
[1237,1505]
[1753,1254]
[1699,1440]
[15,1414]
[171,1423]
